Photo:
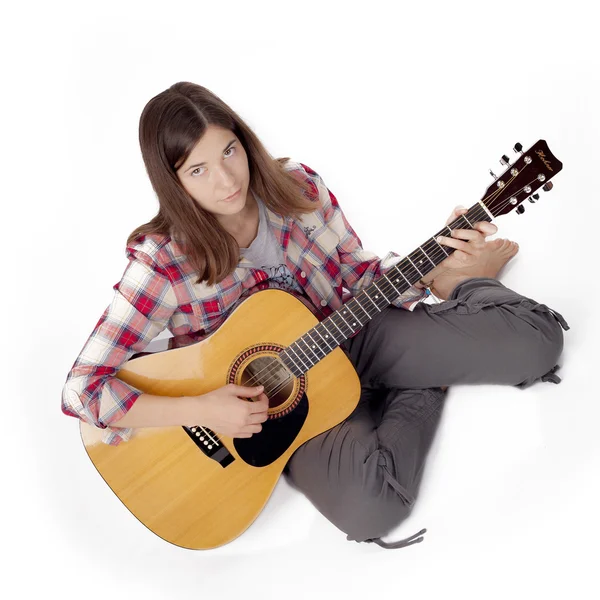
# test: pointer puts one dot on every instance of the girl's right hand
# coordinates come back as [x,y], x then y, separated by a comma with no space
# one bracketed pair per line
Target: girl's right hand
[224,411]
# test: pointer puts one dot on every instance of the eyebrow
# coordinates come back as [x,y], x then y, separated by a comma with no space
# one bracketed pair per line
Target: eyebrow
[203,163]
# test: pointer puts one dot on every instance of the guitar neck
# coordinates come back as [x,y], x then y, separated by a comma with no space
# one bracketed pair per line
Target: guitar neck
[342,324]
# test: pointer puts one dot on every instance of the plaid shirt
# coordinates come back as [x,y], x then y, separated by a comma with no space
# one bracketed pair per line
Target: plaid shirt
[158,291]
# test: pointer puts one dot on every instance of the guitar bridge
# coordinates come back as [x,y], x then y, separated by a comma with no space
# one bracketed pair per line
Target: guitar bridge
[210,444]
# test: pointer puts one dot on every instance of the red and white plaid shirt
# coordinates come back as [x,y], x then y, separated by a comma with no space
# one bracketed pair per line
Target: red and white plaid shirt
[158,291]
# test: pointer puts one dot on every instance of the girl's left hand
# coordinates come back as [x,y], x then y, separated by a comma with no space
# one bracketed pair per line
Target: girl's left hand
[467,252]
[468,244]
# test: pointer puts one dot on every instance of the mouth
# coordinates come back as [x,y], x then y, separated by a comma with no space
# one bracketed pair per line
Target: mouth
[233,196]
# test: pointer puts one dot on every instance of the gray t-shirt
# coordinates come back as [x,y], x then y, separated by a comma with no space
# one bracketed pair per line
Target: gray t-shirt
[265,253]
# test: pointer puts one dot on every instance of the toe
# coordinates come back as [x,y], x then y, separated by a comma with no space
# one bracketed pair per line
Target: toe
[512,249]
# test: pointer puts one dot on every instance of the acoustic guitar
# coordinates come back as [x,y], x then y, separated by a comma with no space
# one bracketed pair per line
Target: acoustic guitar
[198,489]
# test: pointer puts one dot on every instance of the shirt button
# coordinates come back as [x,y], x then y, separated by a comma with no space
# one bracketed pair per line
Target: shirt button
[323,302]
[303,274]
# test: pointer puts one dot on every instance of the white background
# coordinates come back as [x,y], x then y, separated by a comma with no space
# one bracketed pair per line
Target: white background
[402,108]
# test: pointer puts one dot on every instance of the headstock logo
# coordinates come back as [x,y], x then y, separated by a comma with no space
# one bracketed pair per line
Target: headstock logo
[541,154]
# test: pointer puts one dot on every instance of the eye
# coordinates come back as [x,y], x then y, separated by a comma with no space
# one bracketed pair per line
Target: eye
[228,149]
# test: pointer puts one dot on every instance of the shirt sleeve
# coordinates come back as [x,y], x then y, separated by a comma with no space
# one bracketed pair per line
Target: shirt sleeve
[141,308]
[359,267]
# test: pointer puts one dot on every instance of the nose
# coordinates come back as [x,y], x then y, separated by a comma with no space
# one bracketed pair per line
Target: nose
[225,178]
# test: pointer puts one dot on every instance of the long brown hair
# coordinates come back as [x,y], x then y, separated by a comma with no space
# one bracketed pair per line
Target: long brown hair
[171,124]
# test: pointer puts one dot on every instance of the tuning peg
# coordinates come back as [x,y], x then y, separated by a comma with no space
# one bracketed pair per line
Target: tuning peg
[533,198]
[493,174]
[504,160]
[549,185]
[520,209]
[518,148]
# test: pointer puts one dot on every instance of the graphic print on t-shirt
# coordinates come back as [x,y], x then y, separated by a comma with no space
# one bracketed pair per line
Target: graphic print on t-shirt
[280,277]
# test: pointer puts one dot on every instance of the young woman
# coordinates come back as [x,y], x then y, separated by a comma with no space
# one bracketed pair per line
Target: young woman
[233,221]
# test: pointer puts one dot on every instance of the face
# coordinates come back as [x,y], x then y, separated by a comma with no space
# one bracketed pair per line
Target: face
[216,169]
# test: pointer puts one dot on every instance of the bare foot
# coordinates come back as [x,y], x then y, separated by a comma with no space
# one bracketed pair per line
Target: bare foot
[493,258]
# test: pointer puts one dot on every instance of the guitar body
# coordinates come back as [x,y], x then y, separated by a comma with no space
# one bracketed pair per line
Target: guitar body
[198,489]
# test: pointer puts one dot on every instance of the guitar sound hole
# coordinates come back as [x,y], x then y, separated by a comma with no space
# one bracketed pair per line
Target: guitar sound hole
[268,371]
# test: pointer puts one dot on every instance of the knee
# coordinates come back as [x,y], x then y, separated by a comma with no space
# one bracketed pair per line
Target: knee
[540,345]
[546,347]
[553,344]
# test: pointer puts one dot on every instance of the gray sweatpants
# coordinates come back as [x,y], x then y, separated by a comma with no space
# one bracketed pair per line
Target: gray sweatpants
[364,474]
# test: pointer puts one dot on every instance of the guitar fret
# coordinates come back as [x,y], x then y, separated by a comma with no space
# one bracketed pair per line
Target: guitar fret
[343,334]
[348,307]
[371,299]
[324,350]
[357,301]
[427,255]
[303,352]
[324,323]
[317,345]
[392,284]
[413,264]
[386,299]
[401,273]
[315,328]
[349,326]
[467,220]
[291,347]
[442,247]
[311,349]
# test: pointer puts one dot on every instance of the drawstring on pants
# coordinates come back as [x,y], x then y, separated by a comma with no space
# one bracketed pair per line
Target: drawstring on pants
[400,544]
[551,375]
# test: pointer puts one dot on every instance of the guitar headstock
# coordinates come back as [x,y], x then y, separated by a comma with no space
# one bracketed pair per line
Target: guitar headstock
[532,170]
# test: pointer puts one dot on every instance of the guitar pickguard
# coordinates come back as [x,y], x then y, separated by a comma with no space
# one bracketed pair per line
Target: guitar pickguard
[276,436]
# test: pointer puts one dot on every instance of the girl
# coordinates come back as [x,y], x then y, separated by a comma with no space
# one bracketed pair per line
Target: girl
[233,221]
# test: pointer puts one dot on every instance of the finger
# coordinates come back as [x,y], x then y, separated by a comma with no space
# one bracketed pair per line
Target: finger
[467,234]
[461,256]
[258,418]
[457,212]
[261,404]
[244,392]
[486,228]
[457,244]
